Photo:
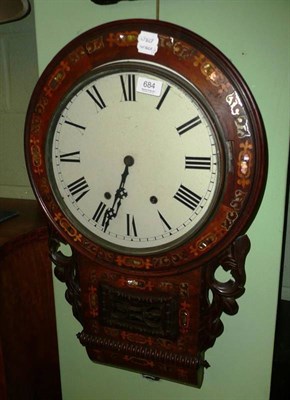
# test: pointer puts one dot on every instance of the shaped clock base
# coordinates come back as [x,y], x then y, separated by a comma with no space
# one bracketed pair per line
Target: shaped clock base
[142,358]
[158,325]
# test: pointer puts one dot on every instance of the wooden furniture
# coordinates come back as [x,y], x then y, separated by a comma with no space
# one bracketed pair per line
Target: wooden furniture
[29,366]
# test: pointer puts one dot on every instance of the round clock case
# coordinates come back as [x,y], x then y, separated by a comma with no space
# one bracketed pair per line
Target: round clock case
[145,146]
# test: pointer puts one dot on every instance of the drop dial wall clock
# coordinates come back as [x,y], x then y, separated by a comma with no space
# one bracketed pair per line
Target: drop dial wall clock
[147,152]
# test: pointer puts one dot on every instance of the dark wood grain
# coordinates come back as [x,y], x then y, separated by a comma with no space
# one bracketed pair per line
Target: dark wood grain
[27,316]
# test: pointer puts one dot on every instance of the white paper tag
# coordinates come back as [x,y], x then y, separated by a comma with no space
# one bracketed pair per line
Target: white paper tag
[147,43]
[149,86]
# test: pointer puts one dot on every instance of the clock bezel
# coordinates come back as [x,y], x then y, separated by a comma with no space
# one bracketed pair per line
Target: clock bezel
[223,88]
[133,66]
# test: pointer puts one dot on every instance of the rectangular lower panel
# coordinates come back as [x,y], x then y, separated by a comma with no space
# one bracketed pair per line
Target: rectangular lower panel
[143,323]
[155,315]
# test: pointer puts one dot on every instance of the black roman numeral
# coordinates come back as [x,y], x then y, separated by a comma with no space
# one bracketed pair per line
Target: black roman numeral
[131,226]
[128,87]
[197,162]
[163,220]
[188,125]
[166,91]
[96,97]
[99,212]
[187,197]
[79,187]
[70,157]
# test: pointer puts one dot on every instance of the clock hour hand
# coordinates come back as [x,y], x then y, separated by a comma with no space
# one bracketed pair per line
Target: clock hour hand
[112,212]
[120,194]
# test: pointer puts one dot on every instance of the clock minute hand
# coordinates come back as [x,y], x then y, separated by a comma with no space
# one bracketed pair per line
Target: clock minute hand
[120,194]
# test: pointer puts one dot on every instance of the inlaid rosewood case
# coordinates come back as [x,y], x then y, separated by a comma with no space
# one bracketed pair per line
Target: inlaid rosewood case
[148,154]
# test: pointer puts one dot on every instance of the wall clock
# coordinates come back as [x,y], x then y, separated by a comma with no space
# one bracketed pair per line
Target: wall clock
[148,155]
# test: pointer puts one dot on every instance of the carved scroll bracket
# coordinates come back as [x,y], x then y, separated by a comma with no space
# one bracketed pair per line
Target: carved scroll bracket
[224,294]
[66,271]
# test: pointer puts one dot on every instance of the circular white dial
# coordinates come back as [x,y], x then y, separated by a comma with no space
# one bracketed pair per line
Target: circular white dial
[135,161]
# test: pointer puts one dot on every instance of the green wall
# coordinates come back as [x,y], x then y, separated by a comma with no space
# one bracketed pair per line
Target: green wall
[255,36]
[18,75]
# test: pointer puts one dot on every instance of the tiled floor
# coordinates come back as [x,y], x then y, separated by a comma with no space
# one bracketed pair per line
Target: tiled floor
[280,388]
